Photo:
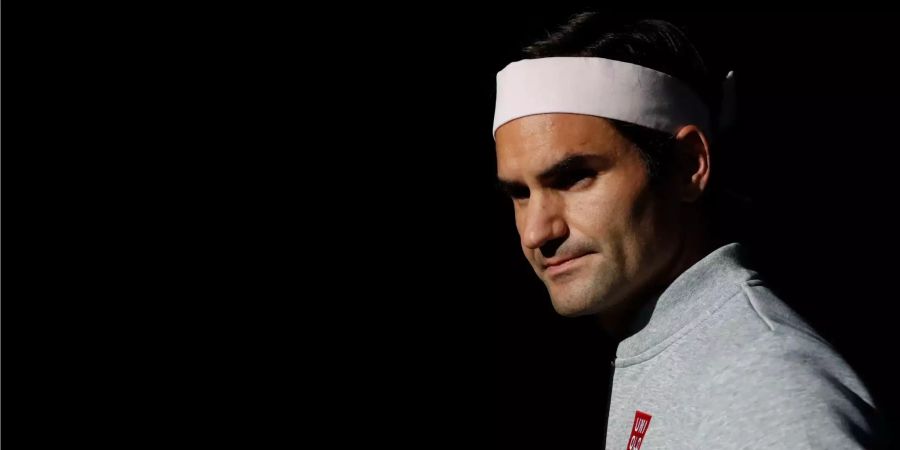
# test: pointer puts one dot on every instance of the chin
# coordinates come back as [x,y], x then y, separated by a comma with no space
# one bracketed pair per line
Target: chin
[574,308]
[574,299]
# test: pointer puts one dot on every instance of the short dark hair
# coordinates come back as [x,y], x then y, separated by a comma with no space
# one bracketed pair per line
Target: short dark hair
[656,44]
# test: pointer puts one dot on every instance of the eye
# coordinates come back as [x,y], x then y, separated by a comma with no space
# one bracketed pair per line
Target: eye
[569,180]
[518,193]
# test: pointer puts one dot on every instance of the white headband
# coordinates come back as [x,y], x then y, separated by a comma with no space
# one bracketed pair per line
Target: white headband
[597,87]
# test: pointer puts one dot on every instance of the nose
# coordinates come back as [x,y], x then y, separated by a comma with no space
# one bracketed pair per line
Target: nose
[543,222]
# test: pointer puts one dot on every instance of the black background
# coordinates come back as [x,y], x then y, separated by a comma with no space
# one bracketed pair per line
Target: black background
[267,225]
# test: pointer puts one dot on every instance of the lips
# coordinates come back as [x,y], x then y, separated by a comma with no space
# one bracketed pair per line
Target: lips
[558,261]
[559,265]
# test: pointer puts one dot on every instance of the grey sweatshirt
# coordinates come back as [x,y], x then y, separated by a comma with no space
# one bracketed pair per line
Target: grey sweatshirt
[722,363]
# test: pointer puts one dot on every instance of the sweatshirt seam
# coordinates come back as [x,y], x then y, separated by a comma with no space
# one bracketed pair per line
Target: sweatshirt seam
[756,309]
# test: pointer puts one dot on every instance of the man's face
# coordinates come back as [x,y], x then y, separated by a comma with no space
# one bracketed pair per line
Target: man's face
[589,223]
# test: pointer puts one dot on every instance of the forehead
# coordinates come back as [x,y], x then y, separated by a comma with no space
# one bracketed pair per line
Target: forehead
[531,143]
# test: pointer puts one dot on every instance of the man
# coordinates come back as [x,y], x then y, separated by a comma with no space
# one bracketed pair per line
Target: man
[605,140]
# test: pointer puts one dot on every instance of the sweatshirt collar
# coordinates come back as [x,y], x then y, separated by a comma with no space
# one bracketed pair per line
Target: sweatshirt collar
[691,298]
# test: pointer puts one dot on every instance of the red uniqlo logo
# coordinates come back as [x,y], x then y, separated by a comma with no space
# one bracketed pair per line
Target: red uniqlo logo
[641,423]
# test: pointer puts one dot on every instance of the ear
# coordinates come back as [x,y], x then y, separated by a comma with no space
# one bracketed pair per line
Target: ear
[692,162]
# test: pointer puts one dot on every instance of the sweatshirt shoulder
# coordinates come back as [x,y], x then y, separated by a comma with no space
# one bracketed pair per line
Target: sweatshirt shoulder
[775,380]
[755,321]
[758,331]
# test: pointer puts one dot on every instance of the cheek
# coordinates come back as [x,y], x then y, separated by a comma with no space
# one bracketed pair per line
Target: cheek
[519,216]
[520,223]
[649,215]
[614,213]
[598,211]
[520,226]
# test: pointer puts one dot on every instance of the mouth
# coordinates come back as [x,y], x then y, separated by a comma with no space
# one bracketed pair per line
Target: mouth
[557,266]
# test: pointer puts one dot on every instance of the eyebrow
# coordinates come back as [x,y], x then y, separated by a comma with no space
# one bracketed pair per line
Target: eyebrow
[571,162]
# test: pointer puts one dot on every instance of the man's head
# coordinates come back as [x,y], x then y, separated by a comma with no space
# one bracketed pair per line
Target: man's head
[607,210]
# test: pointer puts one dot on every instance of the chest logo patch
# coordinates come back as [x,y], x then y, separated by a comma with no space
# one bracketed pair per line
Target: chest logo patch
[638,430]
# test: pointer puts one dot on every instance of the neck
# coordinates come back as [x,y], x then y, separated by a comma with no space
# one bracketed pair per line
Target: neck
[631,315]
